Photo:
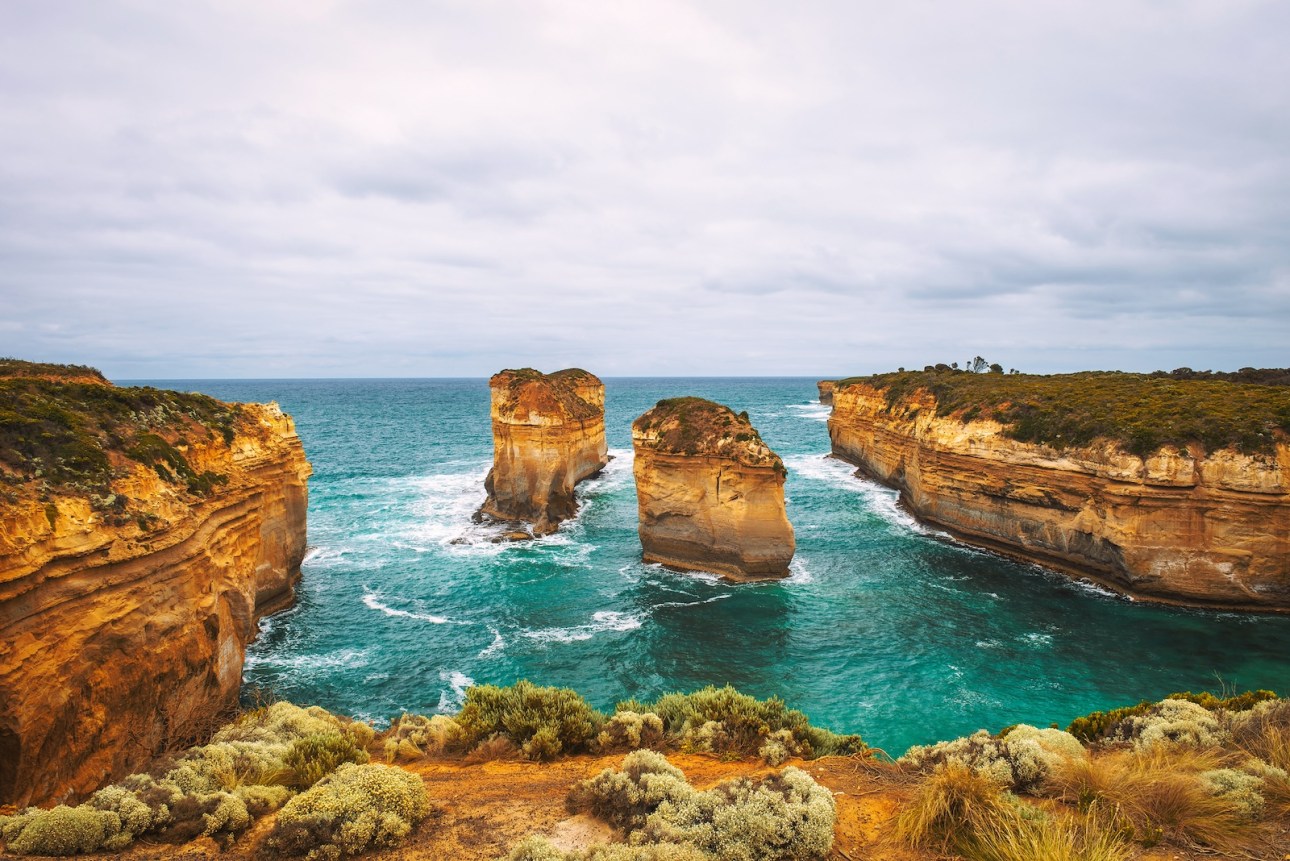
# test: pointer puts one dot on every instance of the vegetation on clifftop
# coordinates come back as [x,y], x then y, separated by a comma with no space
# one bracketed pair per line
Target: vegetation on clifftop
[73,437]
[697,426]
[1140,412]
[559,387]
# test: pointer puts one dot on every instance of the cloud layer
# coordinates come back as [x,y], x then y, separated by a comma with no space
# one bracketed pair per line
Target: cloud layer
[353,189]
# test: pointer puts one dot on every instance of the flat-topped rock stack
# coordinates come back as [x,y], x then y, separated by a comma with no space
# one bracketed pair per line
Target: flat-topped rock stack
[548,435]
[710,492]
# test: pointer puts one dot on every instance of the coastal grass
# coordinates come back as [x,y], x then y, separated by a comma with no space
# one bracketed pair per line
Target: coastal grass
[1140,412]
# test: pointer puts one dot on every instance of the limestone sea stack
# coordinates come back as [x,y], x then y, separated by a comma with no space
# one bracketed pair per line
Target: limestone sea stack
[548,435]
[143,533]
[1031,466]
[826,390]
[710,492]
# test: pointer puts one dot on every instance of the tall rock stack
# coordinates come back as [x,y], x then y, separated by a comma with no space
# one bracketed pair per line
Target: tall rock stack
[710,492]
[548,435]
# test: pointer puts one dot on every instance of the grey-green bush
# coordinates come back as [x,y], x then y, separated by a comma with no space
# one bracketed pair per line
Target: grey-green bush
[357,807]
[1020,759]
[784,817]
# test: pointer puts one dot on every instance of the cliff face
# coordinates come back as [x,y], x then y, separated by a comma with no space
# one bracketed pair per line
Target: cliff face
[125,609]
[548,435]
[710,492]
[1179,525]
[826,390]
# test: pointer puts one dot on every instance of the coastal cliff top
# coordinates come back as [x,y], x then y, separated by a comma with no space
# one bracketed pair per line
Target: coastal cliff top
[17,369]
[74,438]
[696,426]
[522,390]
[1140,412]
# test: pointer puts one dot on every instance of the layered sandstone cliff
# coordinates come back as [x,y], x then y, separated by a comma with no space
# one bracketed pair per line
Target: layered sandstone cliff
[826,390]
[1178,523]
[142,535]
[548,435]
[710,492]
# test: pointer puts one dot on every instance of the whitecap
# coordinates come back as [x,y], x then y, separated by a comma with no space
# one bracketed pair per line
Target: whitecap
[814,410]
[494,647]
[310,664]
[798,572]
[601,621]
[373,601]
[452,699]
[711,600]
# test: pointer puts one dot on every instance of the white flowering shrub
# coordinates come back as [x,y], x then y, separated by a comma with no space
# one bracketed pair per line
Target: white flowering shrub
[631,731]
[540,849]
[215,790]
[784,817]
[416,736]
[1172,722]
[1021,759]
[357,807]
[1240,788]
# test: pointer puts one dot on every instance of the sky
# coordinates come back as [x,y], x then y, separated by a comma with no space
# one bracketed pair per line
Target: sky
[348,189]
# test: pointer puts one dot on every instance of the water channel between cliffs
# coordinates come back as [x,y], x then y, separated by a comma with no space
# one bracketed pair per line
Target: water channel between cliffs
[885,627]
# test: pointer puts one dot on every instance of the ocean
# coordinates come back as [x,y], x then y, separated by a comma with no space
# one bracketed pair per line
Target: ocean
[886,627]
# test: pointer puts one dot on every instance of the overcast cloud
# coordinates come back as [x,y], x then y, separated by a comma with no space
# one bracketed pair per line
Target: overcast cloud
[320,188]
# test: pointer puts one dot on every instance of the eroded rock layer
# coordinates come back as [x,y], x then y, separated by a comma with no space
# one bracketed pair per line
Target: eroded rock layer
[710,492]
[1180,524]
[548,435]
[826,390]
[132,580]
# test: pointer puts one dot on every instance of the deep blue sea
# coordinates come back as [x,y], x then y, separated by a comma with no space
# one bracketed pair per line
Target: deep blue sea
[885,628]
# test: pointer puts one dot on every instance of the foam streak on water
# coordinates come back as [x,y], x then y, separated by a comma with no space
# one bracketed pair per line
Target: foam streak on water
[881,629]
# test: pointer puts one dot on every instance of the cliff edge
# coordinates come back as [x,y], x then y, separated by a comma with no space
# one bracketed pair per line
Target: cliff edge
[142,535]
[710,492]
[548,435]
[1171,489]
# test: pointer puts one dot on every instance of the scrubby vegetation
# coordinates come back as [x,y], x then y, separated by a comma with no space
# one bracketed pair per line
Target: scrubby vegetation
[1193,770]
[784,817]
[70,435]
[18,369]
[249,768]
[693,425]
[1141,412]
[357,807]
[724,721]
[542,723]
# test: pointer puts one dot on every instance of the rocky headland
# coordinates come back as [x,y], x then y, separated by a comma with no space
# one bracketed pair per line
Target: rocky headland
[142,535]
[710,492]
[548,435]
[826,390]
[1172,489]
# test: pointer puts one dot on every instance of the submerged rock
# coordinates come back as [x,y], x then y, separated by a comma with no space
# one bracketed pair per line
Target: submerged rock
[710,492]
[548,435]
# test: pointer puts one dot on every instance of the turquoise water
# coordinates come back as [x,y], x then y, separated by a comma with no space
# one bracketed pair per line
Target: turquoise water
[885,628]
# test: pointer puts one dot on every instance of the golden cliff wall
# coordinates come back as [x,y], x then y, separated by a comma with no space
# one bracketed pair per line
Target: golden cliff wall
[123,636]
[826,390]
[1180,525]
[710,493]
[548,435]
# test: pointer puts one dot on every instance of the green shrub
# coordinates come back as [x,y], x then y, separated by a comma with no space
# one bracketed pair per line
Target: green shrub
[317,755]
[783,817]
[355,808]
[544,722]
[724,721]
[1020,758]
